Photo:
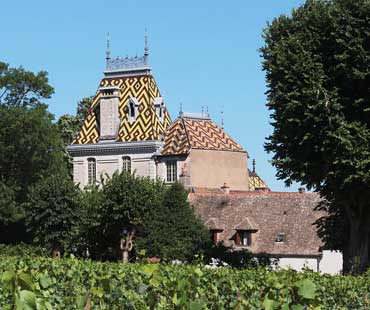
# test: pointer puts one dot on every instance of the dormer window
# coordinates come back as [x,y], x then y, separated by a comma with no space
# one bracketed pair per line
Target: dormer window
[215,235]
[281,237]
[159,108]
[133,109]
[243,238]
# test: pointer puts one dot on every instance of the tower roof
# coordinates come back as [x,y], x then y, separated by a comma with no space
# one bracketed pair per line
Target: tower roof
[196,131]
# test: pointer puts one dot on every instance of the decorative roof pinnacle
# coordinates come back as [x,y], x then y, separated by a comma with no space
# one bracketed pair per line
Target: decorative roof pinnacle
[108,51]
[146,47]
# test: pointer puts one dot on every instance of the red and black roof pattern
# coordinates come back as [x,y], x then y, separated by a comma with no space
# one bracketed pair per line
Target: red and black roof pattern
[190,133]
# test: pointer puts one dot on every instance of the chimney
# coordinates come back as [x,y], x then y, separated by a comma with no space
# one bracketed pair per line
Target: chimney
[225,189]
[301,190]
[109,117]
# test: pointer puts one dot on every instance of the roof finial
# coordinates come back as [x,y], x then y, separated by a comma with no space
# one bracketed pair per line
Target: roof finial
[108,51]
[146,47]
[207,114]
[181,113]
[202,110]
[222,119]
[254,165]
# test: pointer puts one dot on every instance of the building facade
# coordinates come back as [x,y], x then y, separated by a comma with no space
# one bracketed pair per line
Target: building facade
[128,128]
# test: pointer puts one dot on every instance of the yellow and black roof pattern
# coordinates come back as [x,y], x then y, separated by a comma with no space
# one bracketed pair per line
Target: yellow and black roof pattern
[147,125]
[194,133]
[255,181]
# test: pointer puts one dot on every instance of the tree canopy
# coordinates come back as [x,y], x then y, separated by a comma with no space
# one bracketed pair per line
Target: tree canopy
[317,63]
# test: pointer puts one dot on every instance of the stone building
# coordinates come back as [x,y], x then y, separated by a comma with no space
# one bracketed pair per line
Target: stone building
[129,128]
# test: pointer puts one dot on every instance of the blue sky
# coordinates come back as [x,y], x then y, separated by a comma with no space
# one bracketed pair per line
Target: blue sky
[203,53]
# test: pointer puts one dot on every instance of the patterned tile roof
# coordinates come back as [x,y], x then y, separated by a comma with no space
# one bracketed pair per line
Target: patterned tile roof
[255,181]
[194,133]
[147,125]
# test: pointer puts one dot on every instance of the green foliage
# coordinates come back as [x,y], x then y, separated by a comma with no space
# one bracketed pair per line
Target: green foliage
[41,283]
[30,145]
[68,125]
[22,249]
[10,211]
[52,209]
[317,69]
[172,230]
[21,88]
[126,201]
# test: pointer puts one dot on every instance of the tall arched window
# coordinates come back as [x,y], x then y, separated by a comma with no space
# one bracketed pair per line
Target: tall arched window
[91,170]
[126,163]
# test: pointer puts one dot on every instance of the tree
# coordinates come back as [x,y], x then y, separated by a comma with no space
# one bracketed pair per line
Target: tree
[126,201]
[317,65]
[172,230]
[69,125]
[19,87]
[53,211]
[30,145]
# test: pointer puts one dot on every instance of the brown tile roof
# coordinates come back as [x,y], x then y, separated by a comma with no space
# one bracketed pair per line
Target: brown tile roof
[187,133]
[271,213]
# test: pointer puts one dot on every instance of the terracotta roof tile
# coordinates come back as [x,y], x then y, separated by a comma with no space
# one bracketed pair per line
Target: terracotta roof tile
[272,212]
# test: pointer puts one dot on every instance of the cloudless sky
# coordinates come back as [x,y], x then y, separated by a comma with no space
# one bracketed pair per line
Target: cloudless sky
[203,53]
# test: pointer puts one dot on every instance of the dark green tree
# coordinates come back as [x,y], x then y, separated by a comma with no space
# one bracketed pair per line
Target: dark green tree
[317,63]
[30,146]
[127,200]
[19,87]
[69,125]
[173,231]
[53,211]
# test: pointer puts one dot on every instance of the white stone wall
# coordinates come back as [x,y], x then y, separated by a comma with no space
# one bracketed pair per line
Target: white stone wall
[142,164]
[331,262]
[297,263]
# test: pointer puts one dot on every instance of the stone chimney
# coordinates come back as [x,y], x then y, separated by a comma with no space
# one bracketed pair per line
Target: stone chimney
[184,178]
[225,189]
[109,115]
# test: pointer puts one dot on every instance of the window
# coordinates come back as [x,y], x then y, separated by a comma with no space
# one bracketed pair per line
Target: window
[243,238]
[133,106]
[126,164]
[159,108]
[215,235]
[280,237]
[171,171]
[91,170]
[132,109]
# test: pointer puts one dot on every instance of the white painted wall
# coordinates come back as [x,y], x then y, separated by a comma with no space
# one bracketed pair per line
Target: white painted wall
[331,262]
[297,263]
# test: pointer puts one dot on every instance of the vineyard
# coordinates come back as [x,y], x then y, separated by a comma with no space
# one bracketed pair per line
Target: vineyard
[38,282]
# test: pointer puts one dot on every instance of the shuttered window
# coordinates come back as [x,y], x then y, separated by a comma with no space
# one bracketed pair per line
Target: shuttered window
[126,164]
[91,170]
[171,171]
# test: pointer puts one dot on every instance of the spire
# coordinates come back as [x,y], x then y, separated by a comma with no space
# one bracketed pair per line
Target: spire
[254,165]
[146,47]
[222,119]
[108,51]
[181,113]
